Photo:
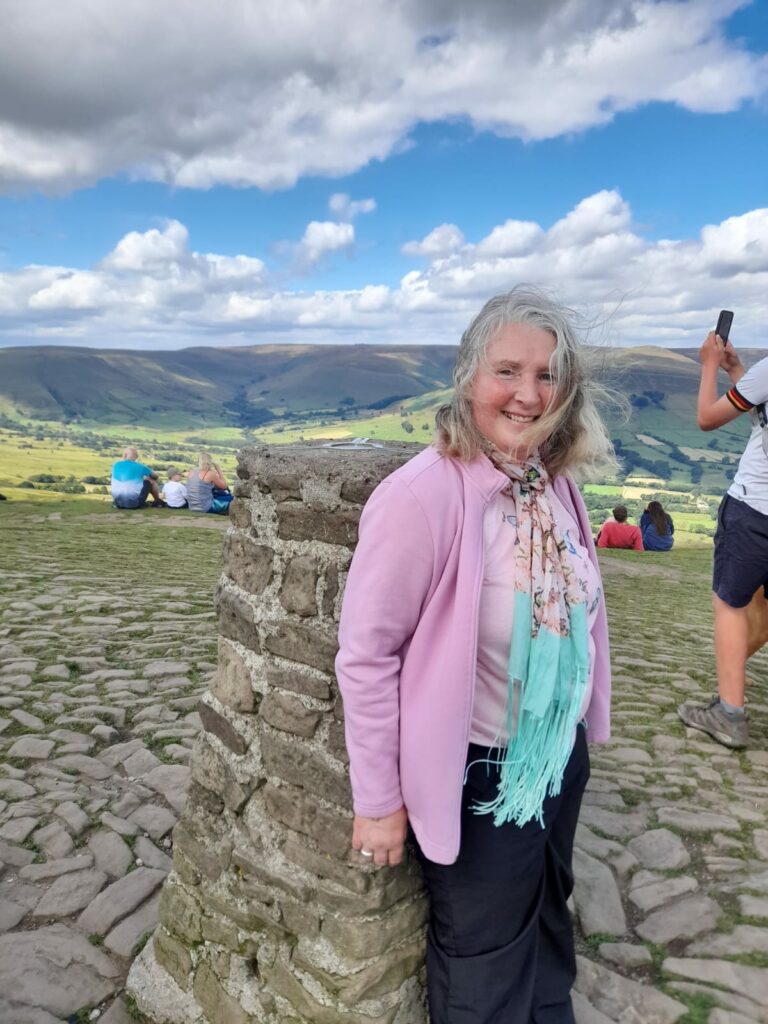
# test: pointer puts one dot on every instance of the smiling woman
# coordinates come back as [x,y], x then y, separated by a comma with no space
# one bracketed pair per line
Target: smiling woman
[473,650]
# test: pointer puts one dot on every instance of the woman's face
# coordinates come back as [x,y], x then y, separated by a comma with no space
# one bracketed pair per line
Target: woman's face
[515,386]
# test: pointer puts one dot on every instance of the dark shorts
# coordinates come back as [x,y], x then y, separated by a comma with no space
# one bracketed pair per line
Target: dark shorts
[741,552]
[138,502]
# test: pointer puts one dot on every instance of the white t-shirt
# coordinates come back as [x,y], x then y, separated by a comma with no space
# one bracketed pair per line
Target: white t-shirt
[750,484]
[495,614]
[175,494]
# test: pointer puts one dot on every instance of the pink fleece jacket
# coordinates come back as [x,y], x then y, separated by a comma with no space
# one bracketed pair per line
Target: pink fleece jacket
[408,642]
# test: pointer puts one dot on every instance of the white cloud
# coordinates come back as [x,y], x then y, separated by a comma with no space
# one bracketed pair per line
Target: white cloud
[512,238]
[346,208]
[153,290]
[441,241]
[247,93]
[324,236]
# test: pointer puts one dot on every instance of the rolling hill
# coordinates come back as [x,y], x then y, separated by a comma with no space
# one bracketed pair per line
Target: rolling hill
[242,386]
[282,392]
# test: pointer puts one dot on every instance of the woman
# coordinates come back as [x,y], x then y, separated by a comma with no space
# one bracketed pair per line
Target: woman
[657,528]
[207,489]
[473,643]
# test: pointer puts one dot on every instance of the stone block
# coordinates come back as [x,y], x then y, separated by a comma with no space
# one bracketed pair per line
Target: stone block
[289,715]
[330,591]
[321,864]
[387,889]
[298,591]
[218,1004]
[203,799]
[221,932]
[384,976]
[282,486]
[275,874]
[298,522]
[232,683]
[180,913]
[302,643]
[195,850]
[363,937]
[240,512]
[284,984]
[249,915]
[298,681]
[359,489]
[236,619]
[296,763]
[173,956]
[249,564]
[337,743]
[300,919]
[298,811]
[212,772]
[185,869]
[221,727]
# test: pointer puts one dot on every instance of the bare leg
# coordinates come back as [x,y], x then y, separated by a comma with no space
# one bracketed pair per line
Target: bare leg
[154,490]
[730,650]
[727,727]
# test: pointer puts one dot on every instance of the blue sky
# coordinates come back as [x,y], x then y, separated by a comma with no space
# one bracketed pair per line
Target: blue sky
[623,145]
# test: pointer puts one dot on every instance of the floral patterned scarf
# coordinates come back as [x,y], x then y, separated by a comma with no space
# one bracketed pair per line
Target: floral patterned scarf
[549,654]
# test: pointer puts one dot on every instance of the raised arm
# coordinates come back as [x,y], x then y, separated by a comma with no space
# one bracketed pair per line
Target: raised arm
[713,412]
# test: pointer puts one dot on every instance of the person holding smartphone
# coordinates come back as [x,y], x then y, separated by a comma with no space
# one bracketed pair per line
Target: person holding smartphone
[741,539]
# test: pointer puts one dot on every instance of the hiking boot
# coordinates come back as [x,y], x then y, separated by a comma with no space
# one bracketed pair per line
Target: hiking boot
[730,730]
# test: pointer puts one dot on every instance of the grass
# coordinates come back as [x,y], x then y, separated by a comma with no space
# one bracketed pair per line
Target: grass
[699,1004]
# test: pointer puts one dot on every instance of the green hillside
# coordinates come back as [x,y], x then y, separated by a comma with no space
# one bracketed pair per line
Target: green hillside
[214,386]
[68,411]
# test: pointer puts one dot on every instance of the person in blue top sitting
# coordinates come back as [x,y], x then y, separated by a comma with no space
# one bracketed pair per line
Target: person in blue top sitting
[133,482]
[657,528]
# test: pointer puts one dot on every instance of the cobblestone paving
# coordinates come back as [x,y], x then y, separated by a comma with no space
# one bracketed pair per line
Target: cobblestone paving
[107,640]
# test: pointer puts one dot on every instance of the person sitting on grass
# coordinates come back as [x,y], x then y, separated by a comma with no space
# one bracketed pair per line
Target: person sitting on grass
[657,528]
[618,533]
[207,489]
[133,482]
[174,492]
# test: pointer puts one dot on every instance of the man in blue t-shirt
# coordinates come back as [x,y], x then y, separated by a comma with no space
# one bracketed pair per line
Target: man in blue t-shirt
[133,482]
[741,539]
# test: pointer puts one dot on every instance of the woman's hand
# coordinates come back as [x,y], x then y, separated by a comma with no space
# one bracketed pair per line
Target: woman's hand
[383,837]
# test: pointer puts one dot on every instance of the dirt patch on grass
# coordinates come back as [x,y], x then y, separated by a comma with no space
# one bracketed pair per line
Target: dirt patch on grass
[159,517]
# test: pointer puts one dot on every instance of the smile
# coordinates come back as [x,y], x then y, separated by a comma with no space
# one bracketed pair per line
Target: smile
[518,419]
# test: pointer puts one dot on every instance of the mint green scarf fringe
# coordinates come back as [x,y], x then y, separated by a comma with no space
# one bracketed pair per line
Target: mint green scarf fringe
[547,682]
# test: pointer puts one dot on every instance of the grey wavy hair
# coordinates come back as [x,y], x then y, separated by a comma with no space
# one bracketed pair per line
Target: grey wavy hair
[570,434]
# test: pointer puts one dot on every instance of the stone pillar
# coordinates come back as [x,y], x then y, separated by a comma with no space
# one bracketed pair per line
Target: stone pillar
[267,916]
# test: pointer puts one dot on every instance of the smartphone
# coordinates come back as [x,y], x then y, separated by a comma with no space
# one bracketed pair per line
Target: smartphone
[724,322]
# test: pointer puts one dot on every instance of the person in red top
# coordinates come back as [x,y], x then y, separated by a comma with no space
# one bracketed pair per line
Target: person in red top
[618,533]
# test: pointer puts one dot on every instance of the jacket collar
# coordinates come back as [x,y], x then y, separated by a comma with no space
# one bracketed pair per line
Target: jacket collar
[484,475]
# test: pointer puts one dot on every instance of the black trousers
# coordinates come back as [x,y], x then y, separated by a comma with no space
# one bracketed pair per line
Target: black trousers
[500,942]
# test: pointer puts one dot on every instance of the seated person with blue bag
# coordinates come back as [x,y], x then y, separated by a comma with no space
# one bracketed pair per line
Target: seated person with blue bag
[207,489]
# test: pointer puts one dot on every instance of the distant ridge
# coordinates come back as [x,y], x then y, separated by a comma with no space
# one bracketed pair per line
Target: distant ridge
[247,386]
[212,385]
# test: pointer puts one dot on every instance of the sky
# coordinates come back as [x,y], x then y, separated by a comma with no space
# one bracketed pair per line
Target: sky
[325,171]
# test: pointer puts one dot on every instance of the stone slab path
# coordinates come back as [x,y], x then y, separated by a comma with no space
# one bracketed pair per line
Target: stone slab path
[107,640]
